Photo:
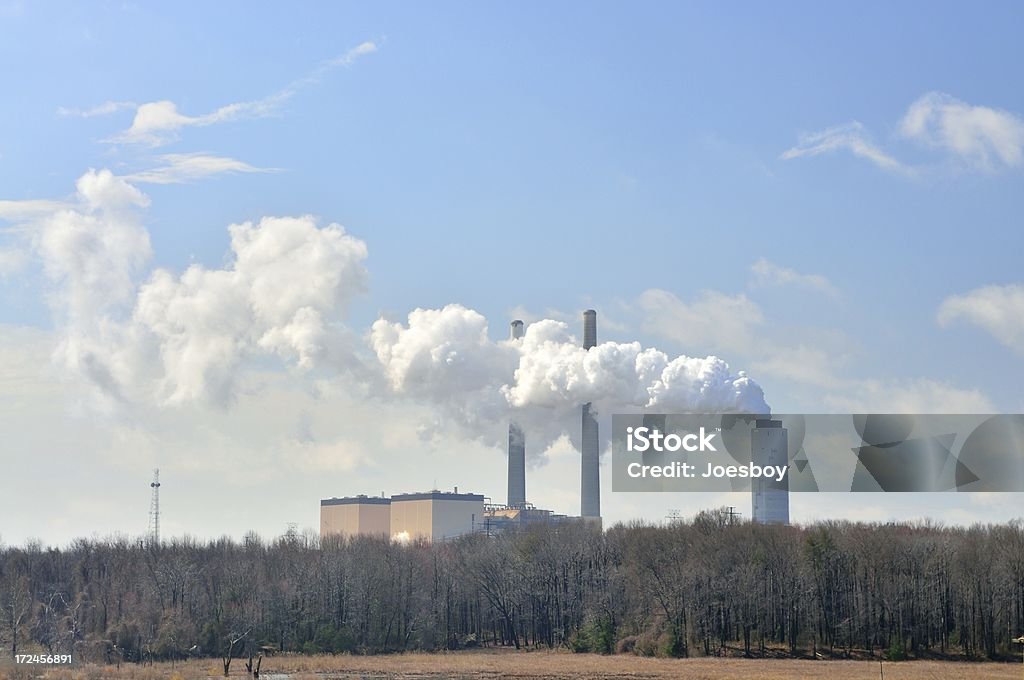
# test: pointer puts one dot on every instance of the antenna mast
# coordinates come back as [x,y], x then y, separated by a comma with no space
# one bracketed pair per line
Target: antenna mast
[154,509]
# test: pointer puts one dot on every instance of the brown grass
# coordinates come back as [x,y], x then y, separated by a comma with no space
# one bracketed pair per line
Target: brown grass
[533,665]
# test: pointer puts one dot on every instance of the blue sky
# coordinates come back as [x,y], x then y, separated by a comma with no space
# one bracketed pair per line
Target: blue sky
[535,159]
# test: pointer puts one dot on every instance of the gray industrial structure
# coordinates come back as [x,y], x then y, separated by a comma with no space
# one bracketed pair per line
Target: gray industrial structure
[769,445]
[590,469]
[516,446]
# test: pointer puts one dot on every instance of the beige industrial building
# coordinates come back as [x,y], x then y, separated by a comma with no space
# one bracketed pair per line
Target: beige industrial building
[433,515]
[436,515]
[356,516]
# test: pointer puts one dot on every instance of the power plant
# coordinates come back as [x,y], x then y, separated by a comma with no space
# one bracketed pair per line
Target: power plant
[441,515]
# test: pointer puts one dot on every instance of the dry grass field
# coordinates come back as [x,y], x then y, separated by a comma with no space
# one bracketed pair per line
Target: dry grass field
[533,665]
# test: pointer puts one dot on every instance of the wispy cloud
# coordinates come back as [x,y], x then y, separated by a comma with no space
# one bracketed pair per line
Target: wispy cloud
[712,322]
[104,109]
[999,310]
[767,273]
[13,211]
[851,137]
[158,123]
[179,168]
[981,137]
[976,138]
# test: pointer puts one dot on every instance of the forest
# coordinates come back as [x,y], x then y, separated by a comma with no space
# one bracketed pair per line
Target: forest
[708,586]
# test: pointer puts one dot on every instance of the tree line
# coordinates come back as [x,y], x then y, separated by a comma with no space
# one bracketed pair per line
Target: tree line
[707,586]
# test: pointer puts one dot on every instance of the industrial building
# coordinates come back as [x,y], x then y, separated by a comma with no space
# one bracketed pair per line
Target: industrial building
[440,515]
[356,516]
[769,445]
[436,515]
[498,518]
[431,515]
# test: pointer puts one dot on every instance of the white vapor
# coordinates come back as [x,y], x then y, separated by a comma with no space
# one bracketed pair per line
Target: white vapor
[157,123]
[999,310]
[980,136]
[850,137]
[444,357]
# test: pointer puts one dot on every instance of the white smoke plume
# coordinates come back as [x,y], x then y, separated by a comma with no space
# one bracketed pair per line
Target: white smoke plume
[446,358]
[174,338]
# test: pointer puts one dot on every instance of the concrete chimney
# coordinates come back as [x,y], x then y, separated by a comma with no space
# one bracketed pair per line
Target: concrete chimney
[769,445]
[590,478]
[589,329]
[516,446]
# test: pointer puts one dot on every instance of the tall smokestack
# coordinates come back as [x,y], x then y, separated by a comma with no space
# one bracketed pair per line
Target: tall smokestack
[516,445]
[590,477]
[589,329]
[769,445]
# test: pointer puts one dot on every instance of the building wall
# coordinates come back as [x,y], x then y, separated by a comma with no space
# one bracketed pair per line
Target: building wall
[454,518]
[374,520]
[354,519]
[413,517]
[436,516]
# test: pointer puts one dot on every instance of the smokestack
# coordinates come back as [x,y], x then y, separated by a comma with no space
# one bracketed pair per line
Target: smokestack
[516,446]
[590,472]
[589,329]
[769,445]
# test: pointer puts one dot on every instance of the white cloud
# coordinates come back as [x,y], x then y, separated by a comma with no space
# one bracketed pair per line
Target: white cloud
[713,322]
[801,363]
[920,395]
[976,137]
[999,310]
[851,137]
[93,250]
[12,261]
[811,370]
[13,211]
[179,168]
[288,279]
[982,137]
[104,109]
[768,273]
[158,123]
[182,338]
